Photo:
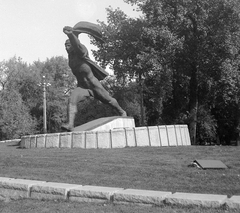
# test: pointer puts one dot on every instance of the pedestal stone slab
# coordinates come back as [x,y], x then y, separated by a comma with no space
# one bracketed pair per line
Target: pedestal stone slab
[140,196]
[183,135]
[91,140]
[142,136]
[106,123]
[118,138]
[52,191]
[25,142]
[104,139]
[66,140]
[93,194]
[41,143]
[154,136]
[79,140]
[163,135]
[172,139]
[33,142]
[203,200]
[130,137]
[178,135]
[188,141]
[233,202]
[52,140]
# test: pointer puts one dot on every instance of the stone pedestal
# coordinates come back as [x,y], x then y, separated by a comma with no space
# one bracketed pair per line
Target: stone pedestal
[106,123]
[111,132]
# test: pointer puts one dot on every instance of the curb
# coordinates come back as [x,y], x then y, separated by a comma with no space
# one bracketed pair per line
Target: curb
[14,189]
[11,141]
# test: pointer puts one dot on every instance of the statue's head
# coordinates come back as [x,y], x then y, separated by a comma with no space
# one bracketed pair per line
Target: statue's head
[68,46]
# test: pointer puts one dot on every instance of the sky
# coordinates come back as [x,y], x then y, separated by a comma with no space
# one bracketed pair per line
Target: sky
[33,29]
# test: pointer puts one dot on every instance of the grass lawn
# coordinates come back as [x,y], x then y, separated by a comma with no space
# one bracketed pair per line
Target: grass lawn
[35,206]
[161,169]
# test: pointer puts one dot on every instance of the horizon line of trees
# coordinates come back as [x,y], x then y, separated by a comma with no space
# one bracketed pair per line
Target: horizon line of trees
[177,63]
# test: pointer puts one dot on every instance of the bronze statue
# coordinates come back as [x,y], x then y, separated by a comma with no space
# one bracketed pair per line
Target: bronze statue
[86,71]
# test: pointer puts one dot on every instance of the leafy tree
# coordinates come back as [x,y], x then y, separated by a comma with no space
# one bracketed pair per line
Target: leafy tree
[123,43]
[15,119]
[21,77]
[140,52]
[207,31]
[184,42]
[11,72]
[59,81]
[27,81]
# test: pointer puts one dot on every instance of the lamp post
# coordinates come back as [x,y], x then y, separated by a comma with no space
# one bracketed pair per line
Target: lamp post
[44,85]
[44,106]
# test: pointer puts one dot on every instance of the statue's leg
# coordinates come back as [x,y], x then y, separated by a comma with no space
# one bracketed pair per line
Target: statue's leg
[77,95]
[101,94]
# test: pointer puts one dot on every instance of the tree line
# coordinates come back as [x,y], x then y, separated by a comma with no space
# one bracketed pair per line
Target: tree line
[177,63]
[21,95]
[184,55]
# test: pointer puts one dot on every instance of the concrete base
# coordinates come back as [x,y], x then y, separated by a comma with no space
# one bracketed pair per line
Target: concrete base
[111,132]
[155,136]
[106,123]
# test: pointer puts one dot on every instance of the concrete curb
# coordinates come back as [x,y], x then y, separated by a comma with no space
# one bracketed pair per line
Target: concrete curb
[93,194]
[233,202]
[203,200]
[13,189]
[155,136]
[11,141]
[136,196]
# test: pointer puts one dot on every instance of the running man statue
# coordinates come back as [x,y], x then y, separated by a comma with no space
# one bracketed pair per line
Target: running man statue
[87,72]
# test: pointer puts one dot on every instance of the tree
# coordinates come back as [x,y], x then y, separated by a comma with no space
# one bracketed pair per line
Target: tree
[60,80]
[186,43]
[26,80]
[206,30]
[15,119]
[119,53]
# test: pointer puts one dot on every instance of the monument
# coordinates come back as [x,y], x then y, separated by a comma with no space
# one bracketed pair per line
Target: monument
[107,132]
[87,73]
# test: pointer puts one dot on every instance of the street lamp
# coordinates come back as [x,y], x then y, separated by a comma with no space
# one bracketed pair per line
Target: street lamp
[44,84]
[44,106]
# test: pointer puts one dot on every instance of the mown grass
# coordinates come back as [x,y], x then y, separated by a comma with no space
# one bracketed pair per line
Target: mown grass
[35,206]
[149,168]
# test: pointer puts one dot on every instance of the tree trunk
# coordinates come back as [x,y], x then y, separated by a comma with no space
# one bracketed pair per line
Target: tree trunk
[193,100]
[193,104]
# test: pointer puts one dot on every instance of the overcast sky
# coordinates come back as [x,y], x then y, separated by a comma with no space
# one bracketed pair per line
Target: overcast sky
[32,29]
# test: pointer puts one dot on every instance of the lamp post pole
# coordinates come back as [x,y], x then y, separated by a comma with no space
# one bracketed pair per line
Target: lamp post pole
[44,106]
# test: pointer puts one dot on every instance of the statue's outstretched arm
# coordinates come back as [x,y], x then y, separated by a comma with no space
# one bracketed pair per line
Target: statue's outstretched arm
[78,47]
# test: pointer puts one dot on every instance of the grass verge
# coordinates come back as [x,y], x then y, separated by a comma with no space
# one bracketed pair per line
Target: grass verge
[149,168]
[35,206]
